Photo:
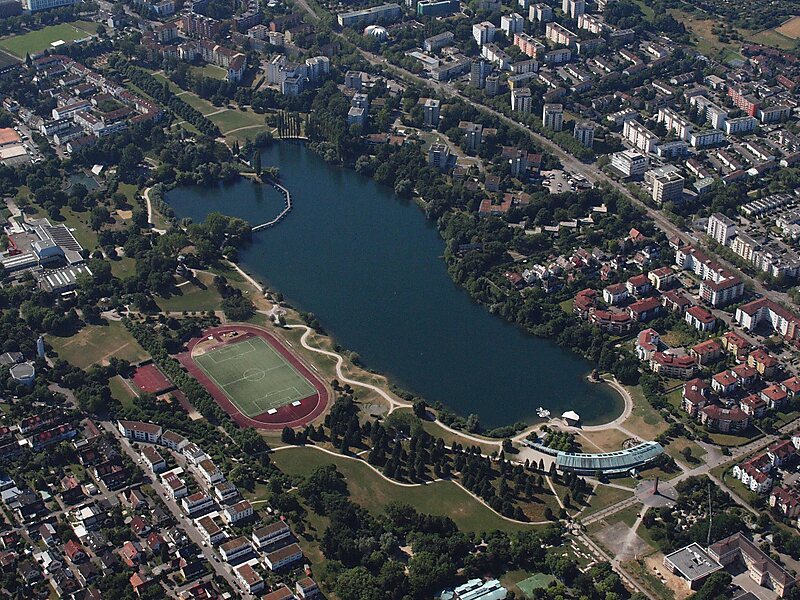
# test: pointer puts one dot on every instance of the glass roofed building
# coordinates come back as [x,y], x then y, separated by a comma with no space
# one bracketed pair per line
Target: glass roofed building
[610,463]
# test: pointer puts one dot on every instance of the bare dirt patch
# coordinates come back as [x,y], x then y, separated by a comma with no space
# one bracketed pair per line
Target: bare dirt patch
[623,542]
[790,28]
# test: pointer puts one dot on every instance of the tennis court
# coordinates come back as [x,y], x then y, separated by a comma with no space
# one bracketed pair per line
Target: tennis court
[254,376]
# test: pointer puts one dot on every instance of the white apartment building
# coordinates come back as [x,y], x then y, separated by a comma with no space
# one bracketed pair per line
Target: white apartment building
[668,187]
[712,113]
[235,548]
[196,503]
[140,431]
[483,32]
[740,125]
[573,8]
[269,535]
[237,512]
[629,162]
[512,23]
[701,139]
[283,557]
[720,228]
[553,116]
[640,136]
[540,12]
[675,122]
[591,23]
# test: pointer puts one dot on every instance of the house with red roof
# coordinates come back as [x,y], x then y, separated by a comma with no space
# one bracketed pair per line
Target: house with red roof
[662,278]
[644,310]
[672,365]
[131,553]
[736,345]
[785,501]
[675,301]
[75,552]
[611,321]
[775,396]
[753,477]
[724,420]
[763,361]
[745,375]
[647,342]
[791,386]
[753,405]
[699,318]
[695,396]
[724,383]
[140,581]
[639,285]
[706,352]
[615,294]
[781,452]
[584,302]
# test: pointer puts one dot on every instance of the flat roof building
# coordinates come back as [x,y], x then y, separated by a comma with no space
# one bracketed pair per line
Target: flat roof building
[693,564]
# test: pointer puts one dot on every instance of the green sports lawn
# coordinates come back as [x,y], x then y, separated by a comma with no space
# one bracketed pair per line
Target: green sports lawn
[254,376]
[40,39]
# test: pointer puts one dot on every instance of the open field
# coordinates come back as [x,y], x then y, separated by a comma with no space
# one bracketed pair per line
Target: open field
[675,449]
[703,37]
[773,37]
[254,376]
[373,492]
[191,297]
[95,344]
[603,497]
[790,29]
[39,40]
[607,440]
[120,391]
[644,420]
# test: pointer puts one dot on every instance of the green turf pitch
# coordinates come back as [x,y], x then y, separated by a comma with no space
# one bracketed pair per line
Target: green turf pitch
[254,376]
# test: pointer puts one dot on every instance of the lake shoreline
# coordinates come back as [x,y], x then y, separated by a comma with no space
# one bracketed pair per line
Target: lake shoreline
[328,198]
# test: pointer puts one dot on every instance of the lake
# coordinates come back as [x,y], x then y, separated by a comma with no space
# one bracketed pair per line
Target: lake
[369,266]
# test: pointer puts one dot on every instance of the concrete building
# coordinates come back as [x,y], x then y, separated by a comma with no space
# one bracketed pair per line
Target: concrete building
[720,228]
[483,32]
[560,35]
[668,188]
[439,156]
[430,111]
[378,14]
[553,116]
[573,8]
[692,564]
[584,133]
[478,72]
[675,122]
[521,100]
[492,85]
[512,24]
[540,12]
[639,136]
[629,162]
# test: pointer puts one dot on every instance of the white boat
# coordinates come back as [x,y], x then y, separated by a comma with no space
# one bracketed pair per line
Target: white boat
[542,413]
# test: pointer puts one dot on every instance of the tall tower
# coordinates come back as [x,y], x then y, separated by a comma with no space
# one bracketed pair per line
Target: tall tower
[40,346]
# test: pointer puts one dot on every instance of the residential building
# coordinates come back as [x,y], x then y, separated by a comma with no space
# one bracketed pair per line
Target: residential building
[761,568]
[512,24]
[785,501]
[430,111]
[668,187]
[377,14]
[251,581]
[560,35]
[540,12]
[573,8]
[521,100]
[724,420]
[235,549]
[706,352]
[763,361]
[483,32]
[584,133]
[196,503]
[439,156]
[237,512]
[720,228]
[671,365]
[553,116]
[270,535]
[639,136]
[140,431]
[695,396]
[629,162]
[283,557]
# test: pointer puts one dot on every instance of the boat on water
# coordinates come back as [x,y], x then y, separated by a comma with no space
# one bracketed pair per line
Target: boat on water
[542,413]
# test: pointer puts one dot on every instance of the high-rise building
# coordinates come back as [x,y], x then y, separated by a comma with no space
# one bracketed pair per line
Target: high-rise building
[521,100]
[720,228]
[667,187]
[573,8]
[584,133]
[478,72]
[439,156]
[492,85]
[483,32]
[352,80]
[430,111]
[553,116]
[629,162]
[541,12]
[512,23]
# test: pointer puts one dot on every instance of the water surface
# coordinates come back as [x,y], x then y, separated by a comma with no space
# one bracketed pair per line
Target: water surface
[369,266]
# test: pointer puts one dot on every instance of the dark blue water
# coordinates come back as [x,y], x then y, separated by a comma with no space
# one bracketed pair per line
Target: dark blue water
[369,266]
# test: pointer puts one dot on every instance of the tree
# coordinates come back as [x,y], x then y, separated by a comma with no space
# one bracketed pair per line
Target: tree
[287,435]
[257,163]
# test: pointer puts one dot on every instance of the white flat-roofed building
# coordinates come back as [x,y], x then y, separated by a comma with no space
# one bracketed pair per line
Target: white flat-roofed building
[553,116]
[543,13]
[693,564]
[140,431]
[483,32]
[237,512]
[268,535]
[668,187]
[591,23]
[740,125]
[196,503]
[573,8]
[235,549]
[675,122]
[521,100]
[720,228]
[629,162]
[194,454]
[709,137]
[368,16]
[283,557]
[225,492]
[584,133]
[560,35]
[512,23]
[640,136]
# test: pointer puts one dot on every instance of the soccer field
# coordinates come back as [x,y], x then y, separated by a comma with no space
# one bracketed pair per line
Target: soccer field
[254,376]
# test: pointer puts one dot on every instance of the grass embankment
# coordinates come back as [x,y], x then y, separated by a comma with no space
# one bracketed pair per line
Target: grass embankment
[95,344]
[373,492]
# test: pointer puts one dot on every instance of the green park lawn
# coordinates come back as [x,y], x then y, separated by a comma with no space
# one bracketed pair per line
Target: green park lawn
[373,492]
[121,392]
[603,497]
[95,343]
[39,40]
[191,297]
[212,71]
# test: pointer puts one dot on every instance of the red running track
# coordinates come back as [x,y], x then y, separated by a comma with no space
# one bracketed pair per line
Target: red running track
[286,416]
